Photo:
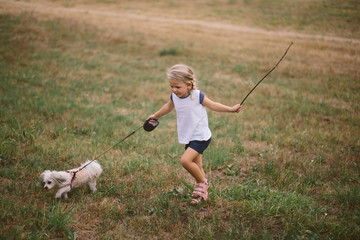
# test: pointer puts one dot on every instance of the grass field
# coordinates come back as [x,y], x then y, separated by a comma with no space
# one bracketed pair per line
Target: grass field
[76,77]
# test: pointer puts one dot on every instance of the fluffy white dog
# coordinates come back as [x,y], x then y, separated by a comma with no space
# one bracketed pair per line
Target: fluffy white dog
[66,180]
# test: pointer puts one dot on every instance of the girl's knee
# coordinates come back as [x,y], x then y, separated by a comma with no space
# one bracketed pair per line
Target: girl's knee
[184,161]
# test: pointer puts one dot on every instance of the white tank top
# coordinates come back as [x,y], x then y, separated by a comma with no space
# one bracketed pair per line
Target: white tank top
[192,119]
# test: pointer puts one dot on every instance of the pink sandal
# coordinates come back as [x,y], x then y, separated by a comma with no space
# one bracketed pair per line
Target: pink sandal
[200,192]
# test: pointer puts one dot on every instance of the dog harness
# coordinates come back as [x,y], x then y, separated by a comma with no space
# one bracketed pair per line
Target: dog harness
[80,176]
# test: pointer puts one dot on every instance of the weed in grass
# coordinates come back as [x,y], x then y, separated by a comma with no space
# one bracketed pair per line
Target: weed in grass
[58,220]
[170,51]
[232,171]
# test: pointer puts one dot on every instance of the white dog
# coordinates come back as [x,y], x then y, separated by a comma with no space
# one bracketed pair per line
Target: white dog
[66,180]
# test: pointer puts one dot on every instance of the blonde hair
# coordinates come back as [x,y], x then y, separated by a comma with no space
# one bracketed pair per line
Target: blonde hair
[182,73]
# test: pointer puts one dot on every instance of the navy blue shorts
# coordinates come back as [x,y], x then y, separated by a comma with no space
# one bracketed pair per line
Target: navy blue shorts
[198,146]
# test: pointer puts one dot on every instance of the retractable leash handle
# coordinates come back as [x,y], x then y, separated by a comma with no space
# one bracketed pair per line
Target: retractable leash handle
[267,73]
[150,124]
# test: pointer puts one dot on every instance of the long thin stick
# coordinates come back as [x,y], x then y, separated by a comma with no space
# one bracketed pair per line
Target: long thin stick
[267,73]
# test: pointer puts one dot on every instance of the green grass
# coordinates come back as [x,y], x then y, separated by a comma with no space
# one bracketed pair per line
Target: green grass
[286,167]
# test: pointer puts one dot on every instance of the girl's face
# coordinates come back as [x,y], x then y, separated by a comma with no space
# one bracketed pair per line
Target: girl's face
[180,89]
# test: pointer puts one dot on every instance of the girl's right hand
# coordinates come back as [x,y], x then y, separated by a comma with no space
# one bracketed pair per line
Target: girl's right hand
[152,117]
[236,108]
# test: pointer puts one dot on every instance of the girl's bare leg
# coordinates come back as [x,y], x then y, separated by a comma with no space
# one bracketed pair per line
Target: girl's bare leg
[198,161]
[188,162]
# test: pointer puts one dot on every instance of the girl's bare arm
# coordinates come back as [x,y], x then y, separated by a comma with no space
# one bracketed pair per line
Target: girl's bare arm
[168,107]
[218,107]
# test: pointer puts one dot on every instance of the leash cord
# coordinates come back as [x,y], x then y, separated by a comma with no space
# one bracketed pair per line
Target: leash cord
[133,132]
[267,73]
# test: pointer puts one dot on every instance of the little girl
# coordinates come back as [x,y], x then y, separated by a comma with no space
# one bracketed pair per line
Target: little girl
[192,123]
